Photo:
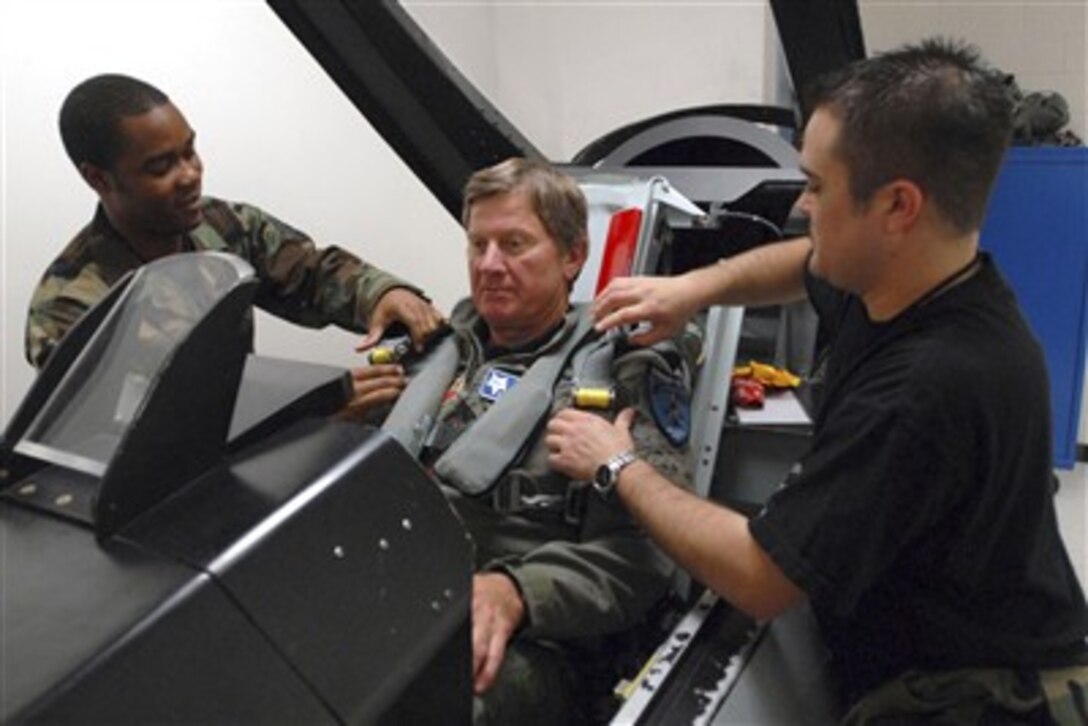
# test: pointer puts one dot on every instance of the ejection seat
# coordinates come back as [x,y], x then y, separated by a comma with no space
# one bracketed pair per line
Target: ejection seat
[716,666]
[631,223]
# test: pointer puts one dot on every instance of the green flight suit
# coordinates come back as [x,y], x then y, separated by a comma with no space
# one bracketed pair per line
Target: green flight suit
[585,569]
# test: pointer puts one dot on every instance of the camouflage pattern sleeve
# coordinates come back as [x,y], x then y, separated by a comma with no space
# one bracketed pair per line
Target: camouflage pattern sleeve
[301,282]
[55,306]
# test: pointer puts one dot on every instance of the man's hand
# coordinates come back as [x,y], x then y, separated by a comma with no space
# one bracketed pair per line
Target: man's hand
[663,302]
[579,442]
[375,385]
[401,305]
[497,611]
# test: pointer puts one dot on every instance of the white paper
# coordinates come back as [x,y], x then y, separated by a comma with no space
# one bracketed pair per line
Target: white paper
[780,408]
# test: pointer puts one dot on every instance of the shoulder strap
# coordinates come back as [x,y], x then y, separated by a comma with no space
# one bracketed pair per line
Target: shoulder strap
[478,457]
[592,363]
[414,413]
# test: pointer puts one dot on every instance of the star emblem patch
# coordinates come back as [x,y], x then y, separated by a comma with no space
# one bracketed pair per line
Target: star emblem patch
[496,383]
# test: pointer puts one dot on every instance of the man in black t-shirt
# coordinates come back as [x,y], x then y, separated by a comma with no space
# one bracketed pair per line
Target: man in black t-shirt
[920,526]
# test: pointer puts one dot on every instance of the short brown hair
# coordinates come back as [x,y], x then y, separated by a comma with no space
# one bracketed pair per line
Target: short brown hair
[556,198]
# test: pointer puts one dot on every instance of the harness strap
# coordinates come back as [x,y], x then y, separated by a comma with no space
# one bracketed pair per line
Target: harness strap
[592,364]
[413,415]
[508,497]
[476,460]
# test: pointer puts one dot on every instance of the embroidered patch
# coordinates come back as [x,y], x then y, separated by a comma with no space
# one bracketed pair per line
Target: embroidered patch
[496,383]
[454,389]
[670,405]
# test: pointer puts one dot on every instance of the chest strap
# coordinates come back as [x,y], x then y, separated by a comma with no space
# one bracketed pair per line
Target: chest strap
[477,459]
[414,413]
[509,497]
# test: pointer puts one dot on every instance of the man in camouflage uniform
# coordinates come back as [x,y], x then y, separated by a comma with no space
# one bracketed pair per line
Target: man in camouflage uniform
[136,150]
[560,566]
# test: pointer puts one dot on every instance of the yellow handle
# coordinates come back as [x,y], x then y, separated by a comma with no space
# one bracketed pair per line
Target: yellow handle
[594,397]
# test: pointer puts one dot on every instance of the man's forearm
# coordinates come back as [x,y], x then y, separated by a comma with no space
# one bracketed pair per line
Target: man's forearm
[710,541]
[767,275]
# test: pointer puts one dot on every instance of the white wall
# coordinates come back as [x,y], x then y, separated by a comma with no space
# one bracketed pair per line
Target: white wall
[566,73]
[1041,43]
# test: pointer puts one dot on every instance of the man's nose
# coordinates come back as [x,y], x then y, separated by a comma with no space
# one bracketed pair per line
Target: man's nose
[804,203]
[191,170]
[491,258]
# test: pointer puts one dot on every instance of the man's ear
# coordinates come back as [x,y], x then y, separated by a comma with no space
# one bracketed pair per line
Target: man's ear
[96,177]
[575,258]
[902,202]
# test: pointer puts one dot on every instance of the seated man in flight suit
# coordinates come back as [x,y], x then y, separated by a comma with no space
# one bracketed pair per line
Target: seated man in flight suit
[559,563]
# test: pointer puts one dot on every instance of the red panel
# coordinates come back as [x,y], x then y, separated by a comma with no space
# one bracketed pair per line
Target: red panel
[620,246]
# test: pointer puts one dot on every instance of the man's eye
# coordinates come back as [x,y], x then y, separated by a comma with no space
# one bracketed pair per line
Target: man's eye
[159,167]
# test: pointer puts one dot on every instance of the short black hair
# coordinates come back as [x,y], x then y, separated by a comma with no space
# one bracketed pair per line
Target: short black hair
[92,112]
[934,113]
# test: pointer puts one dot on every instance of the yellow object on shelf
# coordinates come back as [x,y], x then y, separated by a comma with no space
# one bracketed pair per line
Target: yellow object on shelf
[768,375]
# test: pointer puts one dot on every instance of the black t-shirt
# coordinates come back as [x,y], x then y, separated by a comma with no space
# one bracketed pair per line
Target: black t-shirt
[921,523]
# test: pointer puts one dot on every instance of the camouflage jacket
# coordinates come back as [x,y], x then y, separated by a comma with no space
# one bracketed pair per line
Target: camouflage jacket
[298,281]
[582,564]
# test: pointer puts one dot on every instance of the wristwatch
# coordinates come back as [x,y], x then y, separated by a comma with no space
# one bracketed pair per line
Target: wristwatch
[604,480]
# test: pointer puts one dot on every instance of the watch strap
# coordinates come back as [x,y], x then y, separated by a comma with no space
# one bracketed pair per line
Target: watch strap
[609,472]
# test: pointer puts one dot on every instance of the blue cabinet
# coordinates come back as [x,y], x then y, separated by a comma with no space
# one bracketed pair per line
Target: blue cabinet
[1037,229]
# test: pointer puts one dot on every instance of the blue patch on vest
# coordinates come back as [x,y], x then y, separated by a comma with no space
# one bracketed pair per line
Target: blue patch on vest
[670,405]
[496,383]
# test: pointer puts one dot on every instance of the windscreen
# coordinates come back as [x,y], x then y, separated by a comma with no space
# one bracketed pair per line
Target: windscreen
[84,420]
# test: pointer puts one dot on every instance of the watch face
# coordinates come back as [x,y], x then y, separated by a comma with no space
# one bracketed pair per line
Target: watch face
[603,477]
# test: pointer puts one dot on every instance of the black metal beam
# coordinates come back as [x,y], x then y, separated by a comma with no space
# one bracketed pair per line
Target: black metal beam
[817,36]
[435,119]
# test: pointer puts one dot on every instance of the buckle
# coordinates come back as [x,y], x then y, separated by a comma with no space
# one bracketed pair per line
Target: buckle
[574,504]
[506,497]
[510,497]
